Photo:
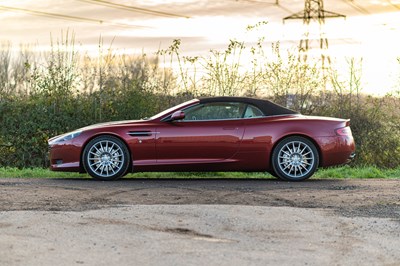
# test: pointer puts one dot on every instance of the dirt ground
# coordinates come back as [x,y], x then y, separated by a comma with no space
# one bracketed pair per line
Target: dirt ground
[367,198]
[199,221]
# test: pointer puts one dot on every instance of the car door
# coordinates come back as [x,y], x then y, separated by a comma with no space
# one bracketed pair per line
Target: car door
[209,133]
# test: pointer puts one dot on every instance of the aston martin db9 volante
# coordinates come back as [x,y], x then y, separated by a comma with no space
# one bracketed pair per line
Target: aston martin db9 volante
[210,134]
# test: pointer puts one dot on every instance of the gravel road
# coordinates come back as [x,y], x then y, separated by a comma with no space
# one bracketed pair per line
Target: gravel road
[199,222]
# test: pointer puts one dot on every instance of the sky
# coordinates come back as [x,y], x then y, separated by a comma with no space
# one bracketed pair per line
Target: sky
[370,29]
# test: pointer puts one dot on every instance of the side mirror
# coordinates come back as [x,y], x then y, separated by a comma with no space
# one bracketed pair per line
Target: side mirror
[178,115]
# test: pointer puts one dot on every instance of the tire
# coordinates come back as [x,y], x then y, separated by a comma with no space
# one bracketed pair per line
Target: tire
[106,158]
[272,172]
[295,159]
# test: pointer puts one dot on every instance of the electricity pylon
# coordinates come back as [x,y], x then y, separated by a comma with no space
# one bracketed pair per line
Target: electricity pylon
[314,12]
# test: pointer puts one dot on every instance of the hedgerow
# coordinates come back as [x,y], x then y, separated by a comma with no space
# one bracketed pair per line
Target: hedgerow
[56,92]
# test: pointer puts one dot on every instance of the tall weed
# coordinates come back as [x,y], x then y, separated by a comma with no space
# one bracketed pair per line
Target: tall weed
[55,92]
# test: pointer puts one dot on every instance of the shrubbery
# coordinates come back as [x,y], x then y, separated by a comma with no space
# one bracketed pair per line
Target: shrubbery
[62,90]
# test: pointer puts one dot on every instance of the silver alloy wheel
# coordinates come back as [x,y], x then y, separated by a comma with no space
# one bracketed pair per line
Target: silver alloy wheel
[105,158]
[296,159]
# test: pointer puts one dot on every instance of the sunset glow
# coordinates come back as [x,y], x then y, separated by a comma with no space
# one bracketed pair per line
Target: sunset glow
[370,30]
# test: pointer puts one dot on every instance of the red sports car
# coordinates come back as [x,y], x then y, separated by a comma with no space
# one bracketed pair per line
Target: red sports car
[210,134]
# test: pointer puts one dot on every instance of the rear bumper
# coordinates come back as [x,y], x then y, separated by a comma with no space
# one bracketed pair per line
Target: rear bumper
[336,150]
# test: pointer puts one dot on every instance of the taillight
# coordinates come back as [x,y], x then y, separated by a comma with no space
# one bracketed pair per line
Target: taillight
[344,131]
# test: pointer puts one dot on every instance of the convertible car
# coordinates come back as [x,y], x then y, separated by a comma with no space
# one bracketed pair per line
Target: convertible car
[210,134]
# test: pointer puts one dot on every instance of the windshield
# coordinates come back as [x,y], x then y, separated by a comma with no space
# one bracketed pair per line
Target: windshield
[177,107]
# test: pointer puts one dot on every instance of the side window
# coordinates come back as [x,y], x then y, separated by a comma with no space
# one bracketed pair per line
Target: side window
[215,111]
[252,111]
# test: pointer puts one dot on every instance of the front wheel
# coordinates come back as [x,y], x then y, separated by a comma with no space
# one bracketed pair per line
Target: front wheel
[106,158]
[295,159]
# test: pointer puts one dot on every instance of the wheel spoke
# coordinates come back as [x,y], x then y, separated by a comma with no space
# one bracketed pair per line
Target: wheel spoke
[116,151]
[98,162]
[95,154]
[115,155]
[284,163]
[114,164]
[302,166]
[111,148]
[102,169]
[290,151]
[97,150]
[106,147]
[299,148]
[301,172]
[101,147]
[303,150]
[112,169]
[291,169]
[98,167]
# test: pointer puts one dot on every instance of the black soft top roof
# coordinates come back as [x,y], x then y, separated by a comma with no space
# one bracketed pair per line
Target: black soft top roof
[267,107]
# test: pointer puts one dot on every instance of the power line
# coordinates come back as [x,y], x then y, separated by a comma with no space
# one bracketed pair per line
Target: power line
[269,4]
[260,2]
[133,8]
[393,5]
[66,17]
[357,7]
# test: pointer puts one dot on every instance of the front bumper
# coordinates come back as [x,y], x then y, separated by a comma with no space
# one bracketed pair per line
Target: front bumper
[64,157]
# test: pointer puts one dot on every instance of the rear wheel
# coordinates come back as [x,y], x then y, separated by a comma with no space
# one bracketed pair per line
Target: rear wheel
[106,158]
[295,159]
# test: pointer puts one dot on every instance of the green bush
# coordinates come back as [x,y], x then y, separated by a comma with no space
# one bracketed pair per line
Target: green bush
[62,90]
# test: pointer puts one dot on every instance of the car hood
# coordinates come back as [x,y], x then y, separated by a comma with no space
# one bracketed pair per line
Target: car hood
[109,124]
[97,126]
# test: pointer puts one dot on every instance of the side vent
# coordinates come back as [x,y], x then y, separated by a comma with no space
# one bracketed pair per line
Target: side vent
[140,133]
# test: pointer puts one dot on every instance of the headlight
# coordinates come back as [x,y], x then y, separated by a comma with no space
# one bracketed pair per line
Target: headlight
[64,137]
